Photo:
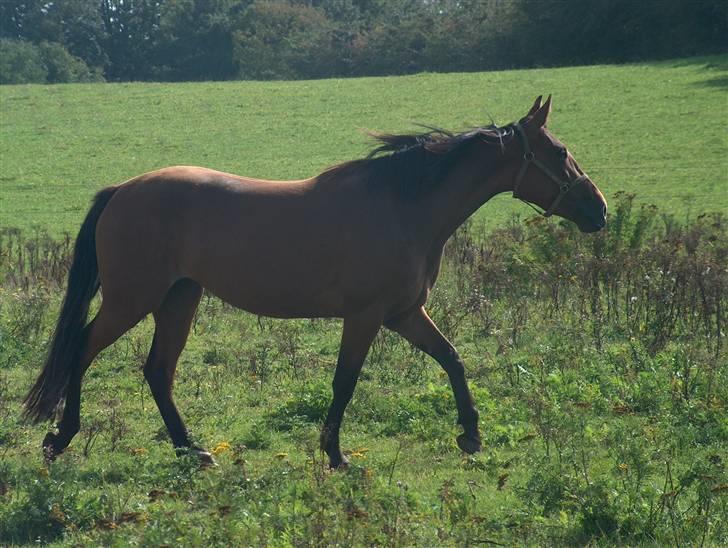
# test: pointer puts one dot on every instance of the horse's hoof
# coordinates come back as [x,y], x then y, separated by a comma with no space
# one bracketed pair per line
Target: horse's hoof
[341,463]
[205,457]
[49,448]
[469,444]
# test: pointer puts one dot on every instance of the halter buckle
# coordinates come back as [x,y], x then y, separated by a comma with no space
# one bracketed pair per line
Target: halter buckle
[528,156]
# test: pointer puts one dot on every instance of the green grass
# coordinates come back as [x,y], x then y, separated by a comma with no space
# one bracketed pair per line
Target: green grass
[656,129]
[604,422]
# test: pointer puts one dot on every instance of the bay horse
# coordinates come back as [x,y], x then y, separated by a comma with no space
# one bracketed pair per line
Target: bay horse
[361,241]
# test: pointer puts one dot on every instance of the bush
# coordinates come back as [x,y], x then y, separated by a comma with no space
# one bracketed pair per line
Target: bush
[46,63]
[21,63]
[62,67]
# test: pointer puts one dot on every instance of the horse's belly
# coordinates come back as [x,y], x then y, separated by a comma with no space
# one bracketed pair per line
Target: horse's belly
[285,282]
[280,301]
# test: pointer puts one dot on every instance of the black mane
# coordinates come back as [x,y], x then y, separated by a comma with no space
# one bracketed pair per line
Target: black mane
[414,162]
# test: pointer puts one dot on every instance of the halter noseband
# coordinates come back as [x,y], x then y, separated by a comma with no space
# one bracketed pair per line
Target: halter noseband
[565,185]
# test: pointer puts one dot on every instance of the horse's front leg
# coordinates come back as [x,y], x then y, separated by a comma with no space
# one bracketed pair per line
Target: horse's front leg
[359,332]
[420,330]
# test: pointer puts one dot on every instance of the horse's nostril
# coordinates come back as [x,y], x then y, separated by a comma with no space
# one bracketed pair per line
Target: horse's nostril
[604,210]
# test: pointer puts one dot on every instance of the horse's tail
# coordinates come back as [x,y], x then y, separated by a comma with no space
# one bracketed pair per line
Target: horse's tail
[69,337]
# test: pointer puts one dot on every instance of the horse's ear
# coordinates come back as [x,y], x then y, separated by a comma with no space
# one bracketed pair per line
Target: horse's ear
[535,107]
[541,115]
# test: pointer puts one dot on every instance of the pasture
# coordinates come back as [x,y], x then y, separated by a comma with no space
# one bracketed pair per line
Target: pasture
[598,362]
[653,129]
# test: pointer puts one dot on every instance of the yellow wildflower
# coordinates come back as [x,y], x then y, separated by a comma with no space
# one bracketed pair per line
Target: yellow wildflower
[221,448]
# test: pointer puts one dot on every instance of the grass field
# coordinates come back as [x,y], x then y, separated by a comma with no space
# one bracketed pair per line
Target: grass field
[655,129]
[598,363]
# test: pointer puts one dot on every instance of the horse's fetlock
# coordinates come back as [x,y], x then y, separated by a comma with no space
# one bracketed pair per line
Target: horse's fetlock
[329,436]
[70,430]
[469,420]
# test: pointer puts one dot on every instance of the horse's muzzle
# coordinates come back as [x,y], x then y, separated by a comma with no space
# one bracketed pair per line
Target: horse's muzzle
[593,219]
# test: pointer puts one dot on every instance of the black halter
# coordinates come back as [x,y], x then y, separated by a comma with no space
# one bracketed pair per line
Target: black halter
[565,185]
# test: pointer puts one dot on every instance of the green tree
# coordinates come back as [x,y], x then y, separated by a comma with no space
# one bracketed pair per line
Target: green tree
[75,24]
[132,28]
[262,39]
[23,20]
[81,30]
[195,39]
[283,40]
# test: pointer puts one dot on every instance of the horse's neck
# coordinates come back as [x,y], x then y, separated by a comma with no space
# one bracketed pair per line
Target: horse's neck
[466,188]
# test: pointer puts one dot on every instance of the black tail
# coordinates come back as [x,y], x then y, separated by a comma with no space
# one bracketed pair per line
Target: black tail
[68,340]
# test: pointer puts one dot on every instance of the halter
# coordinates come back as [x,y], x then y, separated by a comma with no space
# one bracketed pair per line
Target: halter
[565,185]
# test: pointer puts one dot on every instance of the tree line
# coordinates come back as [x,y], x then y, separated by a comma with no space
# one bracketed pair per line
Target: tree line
[176,40]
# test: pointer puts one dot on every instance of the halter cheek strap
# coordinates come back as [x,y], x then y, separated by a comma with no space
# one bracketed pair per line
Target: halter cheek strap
[565,185]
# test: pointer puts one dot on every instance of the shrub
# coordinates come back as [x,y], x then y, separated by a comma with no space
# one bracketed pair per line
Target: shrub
[22,62]
[62,67]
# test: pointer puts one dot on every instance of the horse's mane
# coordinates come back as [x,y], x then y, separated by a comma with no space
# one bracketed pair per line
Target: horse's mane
[414,162]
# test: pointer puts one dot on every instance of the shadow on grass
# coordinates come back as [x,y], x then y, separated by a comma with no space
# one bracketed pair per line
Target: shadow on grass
[709,62]
[715,66]
[721,82]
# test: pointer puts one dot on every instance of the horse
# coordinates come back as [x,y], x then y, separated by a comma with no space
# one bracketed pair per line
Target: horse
[361,241]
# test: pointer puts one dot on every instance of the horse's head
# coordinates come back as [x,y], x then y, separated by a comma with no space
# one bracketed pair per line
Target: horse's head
[549,177]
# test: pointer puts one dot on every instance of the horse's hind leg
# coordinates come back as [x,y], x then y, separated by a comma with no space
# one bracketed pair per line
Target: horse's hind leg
[173,320]
[110,323]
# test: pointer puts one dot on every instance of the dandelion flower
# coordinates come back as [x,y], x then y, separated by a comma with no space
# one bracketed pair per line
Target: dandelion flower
[221,448]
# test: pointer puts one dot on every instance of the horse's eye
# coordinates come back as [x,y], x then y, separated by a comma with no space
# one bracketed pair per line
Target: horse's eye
[563,153]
